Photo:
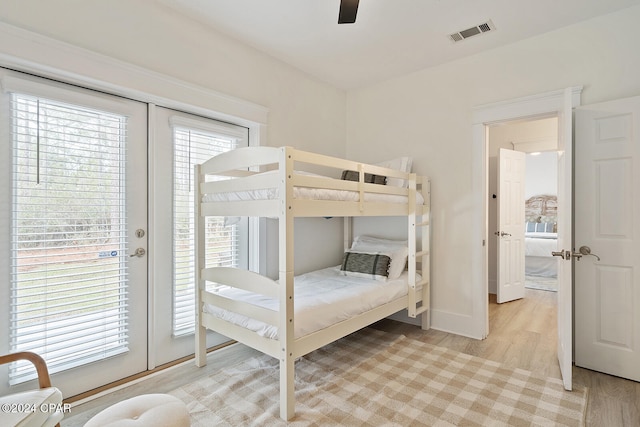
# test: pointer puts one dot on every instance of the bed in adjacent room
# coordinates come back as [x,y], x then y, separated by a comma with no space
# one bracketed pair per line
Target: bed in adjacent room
[539,241]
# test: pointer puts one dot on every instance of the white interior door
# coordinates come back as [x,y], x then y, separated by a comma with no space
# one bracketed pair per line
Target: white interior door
[607,220]
[510,234]
[565,229]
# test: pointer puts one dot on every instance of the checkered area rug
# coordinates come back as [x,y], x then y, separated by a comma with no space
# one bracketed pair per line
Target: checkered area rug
[372,378]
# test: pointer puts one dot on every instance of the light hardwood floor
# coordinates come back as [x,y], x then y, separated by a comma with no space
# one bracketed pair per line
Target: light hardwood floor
[522,334]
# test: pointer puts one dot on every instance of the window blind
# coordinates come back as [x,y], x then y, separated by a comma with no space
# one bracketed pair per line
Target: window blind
[69,240]
[193,146]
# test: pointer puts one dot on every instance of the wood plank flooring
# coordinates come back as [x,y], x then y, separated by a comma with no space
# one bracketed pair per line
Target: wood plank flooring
[522,334]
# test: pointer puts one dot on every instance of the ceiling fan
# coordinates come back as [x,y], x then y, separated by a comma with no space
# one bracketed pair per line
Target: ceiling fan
[348,11]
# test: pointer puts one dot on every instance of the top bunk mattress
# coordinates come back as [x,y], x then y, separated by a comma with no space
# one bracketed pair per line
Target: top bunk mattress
[322,298]
[308,193]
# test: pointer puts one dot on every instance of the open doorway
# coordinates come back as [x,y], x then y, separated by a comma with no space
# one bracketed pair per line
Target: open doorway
[538,138]
[551,104]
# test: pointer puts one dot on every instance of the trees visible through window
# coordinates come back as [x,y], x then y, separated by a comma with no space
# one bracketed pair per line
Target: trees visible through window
[193,147]
[69,278]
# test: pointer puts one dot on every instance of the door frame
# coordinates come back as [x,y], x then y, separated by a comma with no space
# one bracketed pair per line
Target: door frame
[529,107]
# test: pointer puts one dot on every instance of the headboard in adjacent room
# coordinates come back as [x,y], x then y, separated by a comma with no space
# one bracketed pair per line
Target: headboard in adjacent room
[542,209]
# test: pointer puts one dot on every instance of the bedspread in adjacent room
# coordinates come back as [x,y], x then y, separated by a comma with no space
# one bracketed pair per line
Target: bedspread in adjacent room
[538,258]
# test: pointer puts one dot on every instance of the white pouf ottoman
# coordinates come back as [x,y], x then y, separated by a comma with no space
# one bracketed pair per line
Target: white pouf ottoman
[157,410]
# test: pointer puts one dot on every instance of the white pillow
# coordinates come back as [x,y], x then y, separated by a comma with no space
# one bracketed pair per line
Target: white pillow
[402,164]
[397,250]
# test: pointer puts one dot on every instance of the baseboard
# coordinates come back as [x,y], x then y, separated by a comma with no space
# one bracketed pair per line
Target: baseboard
[456,323]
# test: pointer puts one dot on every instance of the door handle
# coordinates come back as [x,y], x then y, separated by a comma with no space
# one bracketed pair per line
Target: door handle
[562,254]
[501,233]
[140,252]
[586,250]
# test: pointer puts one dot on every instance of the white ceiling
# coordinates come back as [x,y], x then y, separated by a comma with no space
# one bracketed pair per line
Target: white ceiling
[390,37]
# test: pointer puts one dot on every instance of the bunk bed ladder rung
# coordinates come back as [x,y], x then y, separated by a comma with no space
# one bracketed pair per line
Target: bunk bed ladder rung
[422,309]
[419,231]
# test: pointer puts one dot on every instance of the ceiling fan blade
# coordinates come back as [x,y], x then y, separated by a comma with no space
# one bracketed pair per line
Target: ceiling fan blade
[348,11]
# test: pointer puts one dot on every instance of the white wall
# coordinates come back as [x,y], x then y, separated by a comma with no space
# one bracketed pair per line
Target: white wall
[428,115]
[302,111]
[541,174]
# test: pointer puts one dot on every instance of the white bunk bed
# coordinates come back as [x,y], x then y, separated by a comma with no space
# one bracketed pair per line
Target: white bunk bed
[285,193]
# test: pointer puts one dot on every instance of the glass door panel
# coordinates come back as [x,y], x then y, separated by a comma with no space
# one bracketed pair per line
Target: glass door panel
[77,194]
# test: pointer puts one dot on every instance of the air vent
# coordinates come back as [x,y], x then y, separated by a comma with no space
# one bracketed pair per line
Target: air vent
[473,31]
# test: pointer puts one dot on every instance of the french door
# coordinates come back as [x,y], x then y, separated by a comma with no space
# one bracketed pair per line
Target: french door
[182,140]
[87,281]
[73,223]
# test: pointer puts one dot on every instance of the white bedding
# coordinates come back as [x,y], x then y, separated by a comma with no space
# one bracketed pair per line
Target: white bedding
[534,246]
[308,193]
[538,258]
[322,298]
[541,235]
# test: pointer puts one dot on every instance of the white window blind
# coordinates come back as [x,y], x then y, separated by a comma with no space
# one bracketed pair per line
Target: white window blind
[194,146]
[69,276]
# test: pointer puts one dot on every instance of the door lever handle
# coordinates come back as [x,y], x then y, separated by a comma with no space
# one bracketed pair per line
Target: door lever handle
[586,250]
[501,233]
[139,253]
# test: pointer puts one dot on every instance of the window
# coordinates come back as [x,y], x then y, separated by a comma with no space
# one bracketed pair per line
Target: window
[69,296]
[225,238]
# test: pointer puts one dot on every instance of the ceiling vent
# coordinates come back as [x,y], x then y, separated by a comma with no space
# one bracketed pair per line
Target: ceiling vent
[473,31]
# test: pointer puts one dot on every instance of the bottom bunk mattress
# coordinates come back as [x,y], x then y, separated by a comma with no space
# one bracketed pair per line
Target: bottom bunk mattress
[321,298]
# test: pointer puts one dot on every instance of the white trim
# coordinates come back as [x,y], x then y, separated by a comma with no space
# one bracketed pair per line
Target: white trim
[539,105]
[207,125]
[478,323]
[151,241]
[30,52]
[454,323]
[542,104]
[24,84]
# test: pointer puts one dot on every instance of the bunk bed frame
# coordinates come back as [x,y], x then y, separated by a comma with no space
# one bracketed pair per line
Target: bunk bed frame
[239,166]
